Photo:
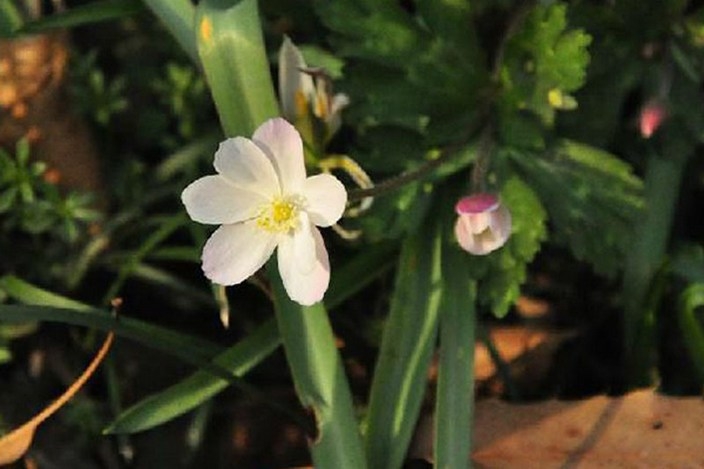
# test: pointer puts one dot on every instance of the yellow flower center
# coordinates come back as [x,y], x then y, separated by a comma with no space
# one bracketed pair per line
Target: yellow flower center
[279,216]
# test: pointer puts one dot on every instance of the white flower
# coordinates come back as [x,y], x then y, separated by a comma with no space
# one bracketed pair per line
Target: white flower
[264,201]
[483,224]
[303,90]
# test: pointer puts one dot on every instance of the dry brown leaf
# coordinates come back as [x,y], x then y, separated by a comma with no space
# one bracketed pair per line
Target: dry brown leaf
[641,430]
[15,444]
[512,343]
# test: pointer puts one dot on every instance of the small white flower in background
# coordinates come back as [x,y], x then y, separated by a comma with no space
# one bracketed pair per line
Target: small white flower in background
[483,224]
[303,90]
[264,201]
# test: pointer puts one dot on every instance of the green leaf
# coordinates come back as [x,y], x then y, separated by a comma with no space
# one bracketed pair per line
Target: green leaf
[10,18]
[178,16]
[688,262]
[27,293]
[200,386]
[319,379]
[315,56]
[544,57]
[231,49]
[101,10]
[419,71]
[398,213]
[408,342]
[585,191]
[190,349]
[193,391]
[362,269]
[454,406]
[690,305]
[501,273]
[167,228]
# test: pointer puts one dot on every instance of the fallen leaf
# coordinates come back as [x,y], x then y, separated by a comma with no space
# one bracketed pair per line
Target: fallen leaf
[640,430]
[512,343]
[15,444]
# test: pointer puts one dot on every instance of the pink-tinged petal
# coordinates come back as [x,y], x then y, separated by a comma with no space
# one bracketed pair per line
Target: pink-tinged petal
[292,80]
[477,203]
[500,223]
[213,200]
[235,252]
[244,164]
[305,288]
[497,229]
[326,197]
[282,144]
[651,118]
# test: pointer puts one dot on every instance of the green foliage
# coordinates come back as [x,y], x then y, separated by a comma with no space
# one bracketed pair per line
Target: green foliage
[544,62]
[31,204]
[96,96]
[405,70]
[89,13]
[592,197]
[501,273]
[183,90]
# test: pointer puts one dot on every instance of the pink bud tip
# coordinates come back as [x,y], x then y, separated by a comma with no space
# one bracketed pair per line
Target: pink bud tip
[477,203]
[651,118]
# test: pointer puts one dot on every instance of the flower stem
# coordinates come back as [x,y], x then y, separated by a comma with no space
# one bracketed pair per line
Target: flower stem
[662,183]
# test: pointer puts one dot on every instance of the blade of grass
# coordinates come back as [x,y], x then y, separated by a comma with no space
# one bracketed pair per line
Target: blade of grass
[196,389]
[231,49]
[407,345]
[365,267]
[319,379]
[455,388]
[200,386]
[691,300]
[94,12]
[169,226]
[178,16]
[647,253]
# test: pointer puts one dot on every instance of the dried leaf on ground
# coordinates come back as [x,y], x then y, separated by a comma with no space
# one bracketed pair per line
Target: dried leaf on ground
[514,342]
[15,444]
[640,430]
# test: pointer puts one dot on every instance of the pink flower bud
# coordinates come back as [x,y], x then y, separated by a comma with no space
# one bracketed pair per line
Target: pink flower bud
[652,115]
[483,224]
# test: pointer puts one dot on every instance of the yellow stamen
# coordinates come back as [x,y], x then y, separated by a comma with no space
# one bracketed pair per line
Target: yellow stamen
[279,216]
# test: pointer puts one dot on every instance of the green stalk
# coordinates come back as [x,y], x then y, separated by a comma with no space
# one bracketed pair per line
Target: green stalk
[662,184]
[691,300]
[231,48]
[400,377]
[178,16]
[454,407]
[319,379]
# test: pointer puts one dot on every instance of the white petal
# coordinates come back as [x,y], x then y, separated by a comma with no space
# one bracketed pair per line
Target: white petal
[245,165]
[235,252]
[305,288]
[500,223]
[465,236]
[291,79]
[477,222]
[281,142]
[213,200]
[304,244]
[326,197]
